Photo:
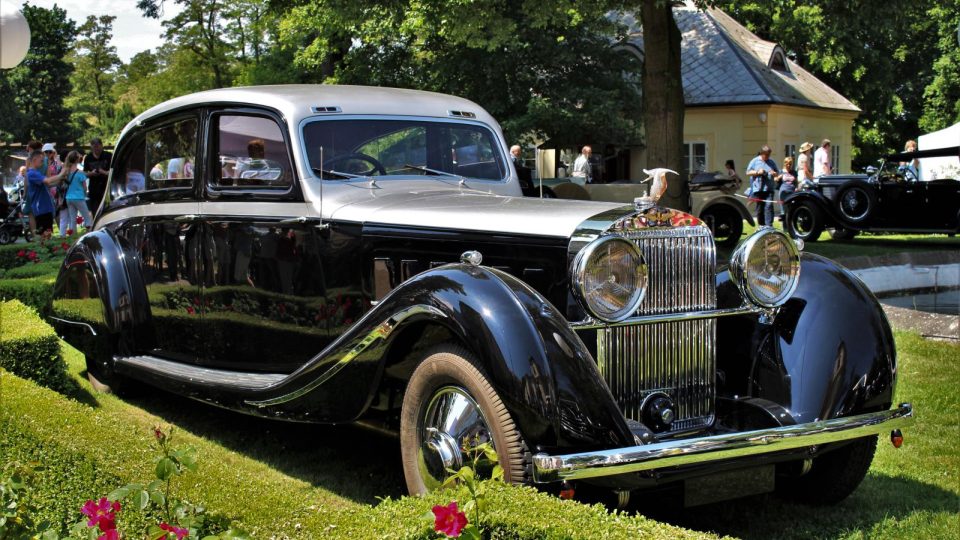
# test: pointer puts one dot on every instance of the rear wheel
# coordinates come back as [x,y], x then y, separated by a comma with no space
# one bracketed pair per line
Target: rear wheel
[725,223]
[833,476]
[804,221]
[6,237]
[449,404]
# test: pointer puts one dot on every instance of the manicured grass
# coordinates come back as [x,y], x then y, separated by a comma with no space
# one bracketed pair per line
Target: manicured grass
[913,492]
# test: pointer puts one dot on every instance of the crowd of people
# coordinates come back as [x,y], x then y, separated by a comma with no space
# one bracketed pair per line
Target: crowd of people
[62,189]
[770,184]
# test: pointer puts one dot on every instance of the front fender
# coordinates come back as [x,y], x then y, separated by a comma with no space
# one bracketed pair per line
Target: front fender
[828,353]
[827,210]
[536,363]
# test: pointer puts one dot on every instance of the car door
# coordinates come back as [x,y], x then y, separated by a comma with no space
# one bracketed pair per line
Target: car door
[264,296]
[942,199]
[153,209]
[902,205]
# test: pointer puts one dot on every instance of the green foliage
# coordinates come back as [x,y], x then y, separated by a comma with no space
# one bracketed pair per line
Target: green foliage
[544,69]
[17,508]
[884,62]
[36,292]
[95,61]
[29,347]
[41,83]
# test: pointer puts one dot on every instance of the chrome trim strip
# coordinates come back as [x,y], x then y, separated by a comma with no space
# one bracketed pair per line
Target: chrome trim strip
[58,319]
[380,332]
[200,375]
[590,323]
[547,468]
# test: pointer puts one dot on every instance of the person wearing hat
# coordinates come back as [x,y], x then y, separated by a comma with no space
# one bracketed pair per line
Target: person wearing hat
[96,165]
[804,170]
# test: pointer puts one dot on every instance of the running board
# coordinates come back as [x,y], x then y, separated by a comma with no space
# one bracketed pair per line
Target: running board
[151,366]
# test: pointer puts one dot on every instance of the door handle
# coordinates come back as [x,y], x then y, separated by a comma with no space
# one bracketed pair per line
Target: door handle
[186,218]
[303,220]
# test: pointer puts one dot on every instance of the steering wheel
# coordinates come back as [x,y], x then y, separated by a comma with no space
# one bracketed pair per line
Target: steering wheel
[376,166]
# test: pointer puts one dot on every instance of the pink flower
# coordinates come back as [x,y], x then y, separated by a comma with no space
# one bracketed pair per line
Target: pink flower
[190,310]
[102,514]
[110,534]
[65,245]
[448,520]
[79,220]
[31,255]
[21,254]
[69,232]
[159,434]
[179,531]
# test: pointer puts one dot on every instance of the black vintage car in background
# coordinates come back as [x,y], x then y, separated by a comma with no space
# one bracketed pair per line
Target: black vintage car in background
[339,254]
[885,199]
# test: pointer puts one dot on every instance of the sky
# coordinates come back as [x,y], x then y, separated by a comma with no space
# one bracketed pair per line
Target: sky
[132,32]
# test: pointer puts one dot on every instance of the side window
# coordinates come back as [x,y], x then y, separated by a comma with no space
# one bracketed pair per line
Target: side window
[161,158]
[252,154]
[171,153]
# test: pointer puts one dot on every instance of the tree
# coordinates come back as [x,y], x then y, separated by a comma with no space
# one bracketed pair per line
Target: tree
[546,69]
[881,63]
[41,83]
[95,62]
[941,98]
[199,29]
[663,105]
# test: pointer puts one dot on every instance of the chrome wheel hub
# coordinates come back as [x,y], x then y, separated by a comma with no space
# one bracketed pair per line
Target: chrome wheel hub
[452,423]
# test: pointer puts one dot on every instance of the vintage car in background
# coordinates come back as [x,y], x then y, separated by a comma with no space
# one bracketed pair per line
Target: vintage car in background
[885,199]
[392,273]
[713,198]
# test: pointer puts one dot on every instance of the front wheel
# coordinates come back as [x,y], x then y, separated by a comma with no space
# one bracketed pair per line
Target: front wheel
[6,237]
[450,405]
[804,221]
[833,476]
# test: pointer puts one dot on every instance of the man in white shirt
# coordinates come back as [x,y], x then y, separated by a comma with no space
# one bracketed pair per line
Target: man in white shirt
[581,167]
[821,160]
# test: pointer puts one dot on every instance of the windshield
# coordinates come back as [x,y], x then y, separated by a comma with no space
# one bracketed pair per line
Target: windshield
[361,148]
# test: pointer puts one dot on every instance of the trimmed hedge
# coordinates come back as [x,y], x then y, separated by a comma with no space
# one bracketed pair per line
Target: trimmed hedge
[95,446]
[46,268]
[36,292]
[29,347]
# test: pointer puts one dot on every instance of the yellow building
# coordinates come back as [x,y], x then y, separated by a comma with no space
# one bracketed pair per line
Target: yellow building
[741,92]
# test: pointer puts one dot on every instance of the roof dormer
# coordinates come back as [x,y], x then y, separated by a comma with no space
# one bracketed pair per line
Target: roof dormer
[778,60]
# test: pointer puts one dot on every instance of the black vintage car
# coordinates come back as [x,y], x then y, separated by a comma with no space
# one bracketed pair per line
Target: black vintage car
[337,254]
[886,199]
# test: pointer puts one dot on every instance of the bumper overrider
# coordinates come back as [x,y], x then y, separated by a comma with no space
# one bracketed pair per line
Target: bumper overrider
[547,468]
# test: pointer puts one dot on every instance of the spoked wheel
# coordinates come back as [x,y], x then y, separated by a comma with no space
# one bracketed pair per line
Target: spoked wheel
[6,237]
[725,223]
[856,203]
[804,221]
[832,476]
[450,405]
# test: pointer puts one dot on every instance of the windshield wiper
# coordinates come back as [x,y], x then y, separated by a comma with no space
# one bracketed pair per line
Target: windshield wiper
[337,173]
[433,171]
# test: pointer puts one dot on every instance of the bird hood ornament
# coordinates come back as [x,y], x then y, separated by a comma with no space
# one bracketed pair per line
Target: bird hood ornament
[658,186]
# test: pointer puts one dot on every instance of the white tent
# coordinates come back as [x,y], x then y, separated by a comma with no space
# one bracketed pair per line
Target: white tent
[940,167]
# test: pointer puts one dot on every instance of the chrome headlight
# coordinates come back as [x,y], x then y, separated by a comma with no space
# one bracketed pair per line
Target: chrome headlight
[610,278]
[766,267]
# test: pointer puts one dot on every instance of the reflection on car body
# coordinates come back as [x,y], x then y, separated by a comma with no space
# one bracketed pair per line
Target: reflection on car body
[592,344]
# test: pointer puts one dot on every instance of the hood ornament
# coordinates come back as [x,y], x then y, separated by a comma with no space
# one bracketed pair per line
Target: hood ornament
[658,187]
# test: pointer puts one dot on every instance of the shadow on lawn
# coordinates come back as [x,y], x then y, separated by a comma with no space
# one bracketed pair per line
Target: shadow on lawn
[880,497]
[350,461]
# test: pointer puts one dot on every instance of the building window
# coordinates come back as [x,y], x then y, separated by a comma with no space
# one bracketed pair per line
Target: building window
[695,156]
[835,158]
[790,150]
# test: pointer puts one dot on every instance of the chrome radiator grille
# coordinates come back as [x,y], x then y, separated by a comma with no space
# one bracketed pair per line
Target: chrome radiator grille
[675,358]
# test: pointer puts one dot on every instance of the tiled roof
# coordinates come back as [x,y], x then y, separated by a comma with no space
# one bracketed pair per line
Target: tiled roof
[723,63]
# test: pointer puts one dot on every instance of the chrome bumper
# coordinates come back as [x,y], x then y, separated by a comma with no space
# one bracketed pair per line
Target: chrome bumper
[672,453]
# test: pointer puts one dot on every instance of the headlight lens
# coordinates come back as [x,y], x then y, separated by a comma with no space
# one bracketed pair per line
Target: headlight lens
[610,278]
[766,267]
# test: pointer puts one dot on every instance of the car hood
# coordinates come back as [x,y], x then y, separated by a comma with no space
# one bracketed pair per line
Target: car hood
[466,210]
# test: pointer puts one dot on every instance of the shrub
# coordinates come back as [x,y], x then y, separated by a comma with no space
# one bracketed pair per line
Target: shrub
[36,292]
[45,268]
[29,348]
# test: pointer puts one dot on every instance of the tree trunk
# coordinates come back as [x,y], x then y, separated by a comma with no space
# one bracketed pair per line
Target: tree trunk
[663,99]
